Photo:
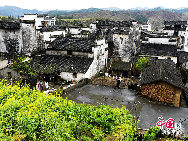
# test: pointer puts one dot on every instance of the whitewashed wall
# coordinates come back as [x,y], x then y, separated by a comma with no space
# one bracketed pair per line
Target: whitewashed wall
[76,31]
[38,22]
[170,32]
[69,76]
[146,27]
[47,35]
[100,58]
[26,37]
[29,17]
[174,59]
[29,37]
[12,34]
[3,64]
[160,41]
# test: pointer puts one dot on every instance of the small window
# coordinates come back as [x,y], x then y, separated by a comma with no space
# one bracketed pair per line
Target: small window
[9,75]
[69,52]
[74,75]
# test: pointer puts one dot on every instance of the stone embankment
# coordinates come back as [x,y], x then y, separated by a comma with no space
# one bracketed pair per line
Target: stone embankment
[110,81]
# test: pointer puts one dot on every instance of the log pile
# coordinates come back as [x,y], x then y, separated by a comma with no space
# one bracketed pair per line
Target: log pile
[159,92]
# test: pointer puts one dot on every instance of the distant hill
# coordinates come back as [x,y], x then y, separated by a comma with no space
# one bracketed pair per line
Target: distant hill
[155,15]
[67,12]
[16,11]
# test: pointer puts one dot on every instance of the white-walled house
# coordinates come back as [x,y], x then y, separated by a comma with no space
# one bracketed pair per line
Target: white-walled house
[79,58]
[126,42]
[146,26]
[159,51]
[160,40]
[40,20]
[21,36]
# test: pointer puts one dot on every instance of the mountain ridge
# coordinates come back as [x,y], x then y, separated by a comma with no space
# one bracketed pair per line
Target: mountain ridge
[16,11]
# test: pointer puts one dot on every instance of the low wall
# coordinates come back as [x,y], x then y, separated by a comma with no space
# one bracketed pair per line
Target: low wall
[80,84]
[109,81]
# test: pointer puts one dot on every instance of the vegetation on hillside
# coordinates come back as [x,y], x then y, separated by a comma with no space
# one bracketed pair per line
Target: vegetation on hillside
[31,115]
[7,18]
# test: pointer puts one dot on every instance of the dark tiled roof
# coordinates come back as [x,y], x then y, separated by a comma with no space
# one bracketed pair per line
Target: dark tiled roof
[162,70]
[9,25]
[175,22]
[114,23]
[158,49]
[63,63]
[28,21]
[52,28]
[73,44]
[119,65]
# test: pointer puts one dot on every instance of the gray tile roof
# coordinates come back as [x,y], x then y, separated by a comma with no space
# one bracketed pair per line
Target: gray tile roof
[63,63]
[73,44]
[162,70]
[158,49]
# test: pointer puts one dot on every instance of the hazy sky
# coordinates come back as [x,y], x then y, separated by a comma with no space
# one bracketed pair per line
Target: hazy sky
[79,4]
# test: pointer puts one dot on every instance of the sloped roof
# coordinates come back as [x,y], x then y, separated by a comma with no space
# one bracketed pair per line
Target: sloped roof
[52,28]
[182,56]
[158,49]
[73,44]
[162,70]
[114,23]
[63,63]
[120,65]
[9,25]
[175,23]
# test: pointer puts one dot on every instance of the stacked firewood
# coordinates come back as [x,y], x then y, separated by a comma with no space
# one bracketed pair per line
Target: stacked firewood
[159,92]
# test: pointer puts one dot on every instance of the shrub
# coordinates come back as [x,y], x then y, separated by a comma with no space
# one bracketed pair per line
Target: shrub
[142,63]
[151,134]
[27,114]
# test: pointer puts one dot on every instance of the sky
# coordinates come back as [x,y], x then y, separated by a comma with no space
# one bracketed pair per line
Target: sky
[80,4]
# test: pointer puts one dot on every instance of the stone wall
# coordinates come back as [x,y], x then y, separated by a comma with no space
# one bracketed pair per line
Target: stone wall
[109,81]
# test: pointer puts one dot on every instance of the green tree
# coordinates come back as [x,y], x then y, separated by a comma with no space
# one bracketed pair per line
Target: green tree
[142,63]
[151,133]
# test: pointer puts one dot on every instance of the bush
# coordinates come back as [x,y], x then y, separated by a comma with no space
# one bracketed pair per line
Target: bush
[27,114]
[151,134]
[142,63]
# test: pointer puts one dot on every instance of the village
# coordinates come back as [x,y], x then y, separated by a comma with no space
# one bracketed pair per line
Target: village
[108,62]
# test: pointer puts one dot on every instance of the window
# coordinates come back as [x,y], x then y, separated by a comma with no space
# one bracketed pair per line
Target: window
[74,75]
[9,75]
[69,52]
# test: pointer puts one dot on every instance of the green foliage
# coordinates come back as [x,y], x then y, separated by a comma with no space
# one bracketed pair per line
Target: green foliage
[141,18]
[151,134]
[142,63]
[27,114]
[24,67]
[5,18]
